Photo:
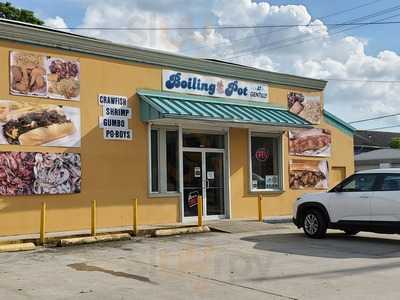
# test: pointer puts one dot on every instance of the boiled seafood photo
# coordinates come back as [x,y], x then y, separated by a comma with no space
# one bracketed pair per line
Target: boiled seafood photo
[57,173]
[63,78]
[27,74]
[310,142]
[39,75]
[31,124]
[308,107]
[16,173]
[308,174]
[34,173]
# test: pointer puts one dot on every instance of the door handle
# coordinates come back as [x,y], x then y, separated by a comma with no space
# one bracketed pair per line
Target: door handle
[365,197]
[207,184]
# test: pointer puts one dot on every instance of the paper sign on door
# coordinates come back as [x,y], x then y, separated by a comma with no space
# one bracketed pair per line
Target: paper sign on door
[193,198]
[197,172]
[210,174]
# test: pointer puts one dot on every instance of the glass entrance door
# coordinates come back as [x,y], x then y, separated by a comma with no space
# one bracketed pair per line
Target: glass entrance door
[215,183]
[203,174]
[192,182]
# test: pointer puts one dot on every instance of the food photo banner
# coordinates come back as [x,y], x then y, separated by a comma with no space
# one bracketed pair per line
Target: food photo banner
[34,173]
[308,174]
[310,142]
[190,83]
[31,124]
[306,106]
[39,75]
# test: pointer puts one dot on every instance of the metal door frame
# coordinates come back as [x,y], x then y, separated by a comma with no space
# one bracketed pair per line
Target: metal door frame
[203,152]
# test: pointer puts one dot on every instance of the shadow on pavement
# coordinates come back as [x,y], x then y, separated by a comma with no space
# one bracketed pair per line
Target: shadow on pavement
[333,246]
[337,273]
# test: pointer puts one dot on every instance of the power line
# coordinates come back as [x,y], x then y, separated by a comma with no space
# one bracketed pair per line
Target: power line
[374,118]
[299,37]
[349,9]
[226,27]
[295,41]
[185,50]
[252,50]
[386,127]
[362,80]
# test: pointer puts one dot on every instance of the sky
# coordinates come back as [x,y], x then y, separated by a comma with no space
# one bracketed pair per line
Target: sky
[323,51]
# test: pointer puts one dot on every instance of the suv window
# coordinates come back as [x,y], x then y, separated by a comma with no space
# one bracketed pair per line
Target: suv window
[359,183]
[390,182]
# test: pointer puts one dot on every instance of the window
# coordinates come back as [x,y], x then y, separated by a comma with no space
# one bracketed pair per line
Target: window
[391,182]
[154,160]
[164,159]
[359,183]
[203,140]
[265,162]
[172,160]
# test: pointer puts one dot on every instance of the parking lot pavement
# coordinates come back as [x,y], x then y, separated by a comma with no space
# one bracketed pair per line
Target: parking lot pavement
[279,263]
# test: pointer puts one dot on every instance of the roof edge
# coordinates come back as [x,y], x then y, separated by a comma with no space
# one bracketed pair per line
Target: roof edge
[338,123]
[48,37]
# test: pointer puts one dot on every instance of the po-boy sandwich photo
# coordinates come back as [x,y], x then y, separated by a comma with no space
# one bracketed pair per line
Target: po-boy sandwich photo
[39,125]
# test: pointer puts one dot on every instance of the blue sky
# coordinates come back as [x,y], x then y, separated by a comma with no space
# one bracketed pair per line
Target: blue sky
[379,37]
[367,53]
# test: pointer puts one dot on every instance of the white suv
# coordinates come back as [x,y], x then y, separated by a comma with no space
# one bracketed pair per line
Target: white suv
[366,201]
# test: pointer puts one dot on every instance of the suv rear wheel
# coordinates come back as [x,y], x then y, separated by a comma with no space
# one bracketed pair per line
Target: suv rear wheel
[314,224]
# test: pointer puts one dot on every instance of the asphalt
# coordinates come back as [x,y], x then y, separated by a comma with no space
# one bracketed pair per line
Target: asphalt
[278,263]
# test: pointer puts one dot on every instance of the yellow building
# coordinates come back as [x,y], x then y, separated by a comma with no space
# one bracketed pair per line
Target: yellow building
[125,122]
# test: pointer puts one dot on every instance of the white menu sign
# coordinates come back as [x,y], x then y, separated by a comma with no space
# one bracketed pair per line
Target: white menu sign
[116,114]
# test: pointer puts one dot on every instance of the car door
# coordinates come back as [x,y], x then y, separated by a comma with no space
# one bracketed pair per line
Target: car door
[385,205]
[350,201]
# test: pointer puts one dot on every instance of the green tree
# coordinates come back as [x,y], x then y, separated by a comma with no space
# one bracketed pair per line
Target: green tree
[395,143]
[8,11]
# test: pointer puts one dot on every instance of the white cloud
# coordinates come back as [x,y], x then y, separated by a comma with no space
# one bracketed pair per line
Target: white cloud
[309,51]
[56,22]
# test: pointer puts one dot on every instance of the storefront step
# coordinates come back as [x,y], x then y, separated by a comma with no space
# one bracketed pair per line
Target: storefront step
[241,226]
[182,230]
[94,239]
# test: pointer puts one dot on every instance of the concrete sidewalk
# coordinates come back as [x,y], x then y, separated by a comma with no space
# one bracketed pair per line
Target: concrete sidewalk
[223,225]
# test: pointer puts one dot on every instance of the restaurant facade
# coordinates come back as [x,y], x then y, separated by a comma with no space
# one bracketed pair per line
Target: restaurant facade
[85,119]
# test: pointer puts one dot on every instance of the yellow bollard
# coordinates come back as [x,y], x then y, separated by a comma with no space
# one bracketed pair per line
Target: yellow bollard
[200,211]
[260,213]
[43,224]
[135,216]
[93,217]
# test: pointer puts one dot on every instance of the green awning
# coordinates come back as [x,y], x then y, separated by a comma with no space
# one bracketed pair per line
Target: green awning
[160,105]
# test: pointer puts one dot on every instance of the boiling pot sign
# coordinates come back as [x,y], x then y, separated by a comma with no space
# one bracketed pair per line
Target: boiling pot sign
[116,114]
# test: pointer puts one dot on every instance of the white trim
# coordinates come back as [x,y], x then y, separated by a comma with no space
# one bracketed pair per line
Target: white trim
[219,125]
[194,149]
[283,163]
[279,137]
[162,189]
[228,195]
[215,131]
[149,177]
[180,155]
[164,195]
[162,161]
[206,218]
